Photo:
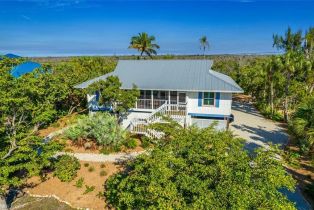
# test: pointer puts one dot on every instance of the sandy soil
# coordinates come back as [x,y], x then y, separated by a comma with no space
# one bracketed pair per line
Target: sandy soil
[96,150]
[61,123]
[68,192]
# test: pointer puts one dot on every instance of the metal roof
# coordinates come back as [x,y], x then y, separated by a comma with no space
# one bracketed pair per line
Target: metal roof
[176,75]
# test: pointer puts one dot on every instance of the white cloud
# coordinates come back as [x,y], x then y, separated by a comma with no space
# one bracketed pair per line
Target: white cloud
[26,17]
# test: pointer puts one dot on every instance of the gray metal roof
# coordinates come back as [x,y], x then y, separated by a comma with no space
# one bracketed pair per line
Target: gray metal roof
[176,75]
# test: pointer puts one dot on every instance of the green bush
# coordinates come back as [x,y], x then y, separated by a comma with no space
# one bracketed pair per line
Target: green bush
[88,189]
[102,165]
[101,127]
[106,150]
[266,111]
[66,168]
[79,183]
[86,164]
[201,169]
[130,143]
[145,142]
[302,125]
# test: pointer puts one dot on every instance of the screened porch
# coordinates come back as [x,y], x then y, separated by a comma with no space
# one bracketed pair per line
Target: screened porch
[153,99]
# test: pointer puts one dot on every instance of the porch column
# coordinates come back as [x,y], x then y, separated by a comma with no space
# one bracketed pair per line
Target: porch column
[169,97]
[152,99]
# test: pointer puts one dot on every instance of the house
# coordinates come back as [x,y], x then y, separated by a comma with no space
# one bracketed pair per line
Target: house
[186,90]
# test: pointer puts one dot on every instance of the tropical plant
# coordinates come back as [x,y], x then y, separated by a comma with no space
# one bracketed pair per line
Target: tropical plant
[66,168]
[302,125]
[145,44]
[101,127]
[291,43]
[88,189]
[79,183]
[204,44]
[201,169]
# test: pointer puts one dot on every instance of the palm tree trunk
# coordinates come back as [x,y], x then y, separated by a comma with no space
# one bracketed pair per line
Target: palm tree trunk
[286,115]
[141,56]
[272,96]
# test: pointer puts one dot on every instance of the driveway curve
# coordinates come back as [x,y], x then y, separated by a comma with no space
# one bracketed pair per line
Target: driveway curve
[257,131]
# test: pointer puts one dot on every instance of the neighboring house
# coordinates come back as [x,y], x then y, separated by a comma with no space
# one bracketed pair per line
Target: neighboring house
[186,90]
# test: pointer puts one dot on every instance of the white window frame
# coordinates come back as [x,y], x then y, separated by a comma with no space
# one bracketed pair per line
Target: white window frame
[203,98]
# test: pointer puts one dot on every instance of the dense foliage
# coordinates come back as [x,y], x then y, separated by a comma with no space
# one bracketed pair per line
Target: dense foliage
[33,101]
[111,94]
[302,125]
[66,168]
[201,169]
[278,83]
[101,127]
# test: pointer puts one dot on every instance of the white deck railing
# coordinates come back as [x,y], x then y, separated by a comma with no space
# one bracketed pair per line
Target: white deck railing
[175,111]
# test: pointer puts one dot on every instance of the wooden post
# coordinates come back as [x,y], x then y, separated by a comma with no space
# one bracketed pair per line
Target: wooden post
[152,99]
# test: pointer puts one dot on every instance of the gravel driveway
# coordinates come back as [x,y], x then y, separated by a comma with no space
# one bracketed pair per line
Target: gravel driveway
[258,131]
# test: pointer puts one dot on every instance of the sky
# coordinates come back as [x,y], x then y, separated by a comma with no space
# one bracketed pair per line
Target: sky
[104,27]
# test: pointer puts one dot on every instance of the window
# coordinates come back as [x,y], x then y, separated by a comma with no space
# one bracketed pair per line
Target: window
[209,99]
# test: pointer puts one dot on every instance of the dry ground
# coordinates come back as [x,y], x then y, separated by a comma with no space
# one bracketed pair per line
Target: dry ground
[68,192]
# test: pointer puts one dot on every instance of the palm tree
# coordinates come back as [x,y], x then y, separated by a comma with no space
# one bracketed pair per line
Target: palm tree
[204,44]
[144,44]
[291,43]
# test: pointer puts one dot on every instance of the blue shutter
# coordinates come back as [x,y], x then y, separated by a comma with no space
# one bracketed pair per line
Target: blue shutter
[217,99]
[97,95]
[200,96]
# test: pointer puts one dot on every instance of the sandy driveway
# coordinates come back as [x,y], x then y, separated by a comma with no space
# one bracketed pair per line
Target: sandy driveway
[253,127]
[258,131]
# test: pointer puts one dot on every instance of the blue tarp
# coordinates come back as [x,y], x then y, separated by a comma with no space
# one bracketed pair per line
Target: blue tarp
[24,68]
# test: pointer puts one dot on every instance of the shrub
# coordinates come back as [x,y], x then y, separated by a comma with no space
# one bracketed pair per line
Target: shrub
[79,183]
[91,169]
[101,127]
[106,150]
[201,169]
[302,125]
[88,189]
[86,164]
[100,195]
[103,173]
[145,142]
[102,165]
[131,143]
[66,168]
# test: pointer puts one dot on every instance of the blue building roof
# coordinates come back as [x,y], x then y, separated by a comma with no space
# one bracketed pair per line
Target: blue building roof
[24,68]
[10,55]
